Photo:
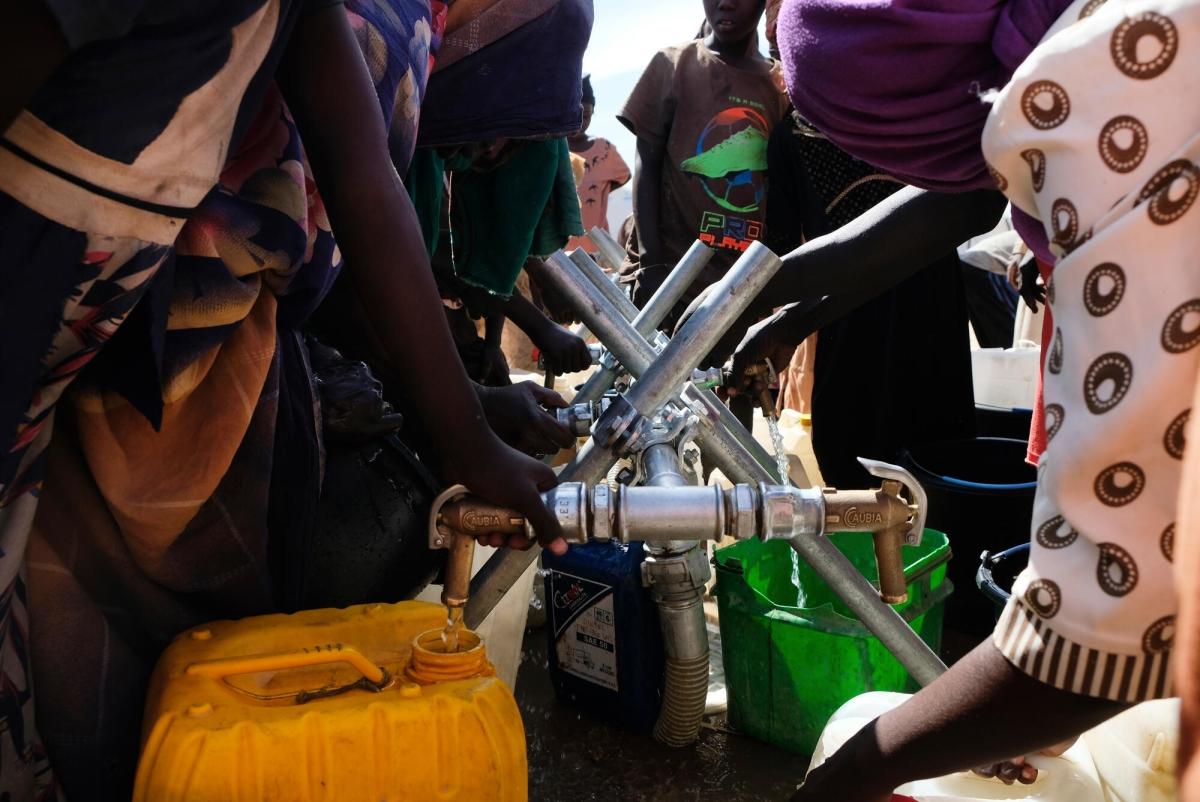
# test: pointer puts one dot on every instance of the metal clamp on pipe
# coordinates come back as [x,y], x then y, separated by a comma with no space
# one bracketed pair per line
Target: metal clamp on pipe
[620,427]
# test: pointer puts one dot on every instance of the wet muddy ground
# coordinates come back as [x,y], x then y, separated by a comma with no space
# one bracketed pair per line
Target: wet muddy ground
[575,758]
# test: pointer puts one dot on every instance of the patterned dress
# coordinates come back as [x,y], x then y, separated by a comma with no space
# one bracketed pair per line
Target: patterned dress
[1096,137]
[97,177]
[194,435]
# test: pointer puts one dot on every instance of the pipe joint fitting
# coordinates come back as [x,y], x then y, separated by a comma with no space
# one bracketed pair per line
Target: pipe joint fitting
[579,418]
[741,505]
[706,379]
[620,427]
[602,513]
[569,504]
[608,361]
[672,574]
[791,511]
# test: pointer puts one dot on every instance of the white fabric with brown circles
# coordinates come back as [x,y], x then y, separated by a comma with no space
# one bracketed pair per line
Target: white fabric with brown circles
[1098,136]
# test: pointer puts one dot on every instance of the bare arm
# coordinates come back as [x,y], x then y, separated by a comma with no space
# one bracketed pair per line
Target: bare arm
[493,329]
[326,84]
[982,711]
[562,350]
[647,183]
[31,48]
[885,245]
[873,253]
[525,315]
[494,370]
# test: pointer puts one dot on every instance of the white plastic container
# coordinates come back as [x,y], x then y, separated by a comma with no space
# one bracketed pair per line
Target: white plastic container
[1135,752]
[796,430]
[1069,778]
[1006,377]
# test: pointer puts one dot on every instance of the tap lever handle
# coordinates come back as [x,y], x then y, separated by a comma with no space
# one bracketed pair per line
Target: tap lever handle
[919,503]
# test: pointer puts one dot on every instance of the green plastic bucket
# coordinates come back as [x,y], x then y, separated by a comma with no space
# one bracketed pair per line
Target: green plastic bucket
[793,651]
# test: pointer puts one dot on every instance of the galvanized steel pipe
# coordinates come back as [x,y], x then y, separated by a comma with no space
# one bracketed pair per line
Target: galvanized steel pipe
[598,313]
[603,282]
[598,383]
[608,249]
[678,594]
[728,299]
[682,276]
[726,302]
[647,319]
[733,457]
[500,573]
[726,444]
[697,337]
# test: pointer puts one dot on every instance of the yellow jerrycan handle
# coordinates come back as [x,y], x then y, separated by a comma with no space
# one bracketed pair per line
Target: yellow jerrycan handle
[225,667]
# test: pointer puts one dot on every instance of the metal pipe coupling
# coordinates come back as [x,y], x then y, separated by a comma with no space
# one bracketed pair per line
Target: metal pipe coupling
[579,418]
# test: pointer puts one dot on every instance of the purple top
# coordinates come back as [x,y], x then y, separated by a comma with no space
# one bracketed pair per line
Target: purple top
[897,83]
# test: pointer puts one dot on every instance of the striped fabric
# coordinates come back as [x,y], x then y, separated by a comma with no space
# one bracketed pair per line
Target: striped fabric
[1035,648]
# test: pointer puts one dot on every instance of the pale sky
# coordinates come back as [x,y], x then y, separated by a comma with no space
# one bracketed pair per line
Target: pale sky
[626,34]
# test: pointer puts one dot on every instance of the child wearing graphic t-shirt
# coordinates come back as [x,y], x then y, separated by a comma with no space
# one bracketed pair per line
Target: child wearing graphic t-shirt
[702,113]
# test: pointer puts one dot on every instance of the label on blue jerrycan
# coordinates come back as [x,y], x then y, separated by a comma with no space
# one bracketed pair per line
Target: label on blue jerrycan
[605,647]
[585,628]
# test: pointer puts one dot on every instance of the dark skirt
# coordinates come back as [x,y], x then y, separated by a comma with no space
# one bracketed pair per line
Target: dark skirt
[894,373]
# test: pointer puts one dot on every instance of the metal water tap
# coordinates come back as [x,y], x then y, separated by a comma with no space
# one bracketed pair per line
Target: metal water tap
[892,519]
[456,536]
[672,514]
[759,370]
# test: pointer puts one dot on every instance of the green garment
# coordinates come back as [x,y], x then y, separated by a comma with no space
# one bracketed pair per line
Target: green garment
[562,218]
[525,207]
[426,186]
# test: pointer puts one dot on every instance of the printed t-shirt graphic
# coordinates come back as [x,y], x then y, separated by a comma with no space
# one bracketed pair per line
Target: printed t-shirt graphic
[712,120]
[730,160]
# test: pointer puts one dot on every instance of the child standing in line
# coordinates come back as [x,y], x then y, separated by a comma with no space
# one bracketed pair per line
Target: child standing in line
[603,171]
[702,113]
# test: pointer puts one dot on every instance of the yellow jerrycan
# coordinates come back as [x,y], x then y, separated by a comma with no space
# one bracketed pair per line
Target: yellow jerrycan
[330,706]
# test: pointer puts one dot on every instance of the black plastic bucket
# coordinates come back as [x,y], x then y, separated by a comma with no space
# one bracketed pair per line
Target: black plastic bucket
[981,495]
[1003,422]
[997,572]
[370,540]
